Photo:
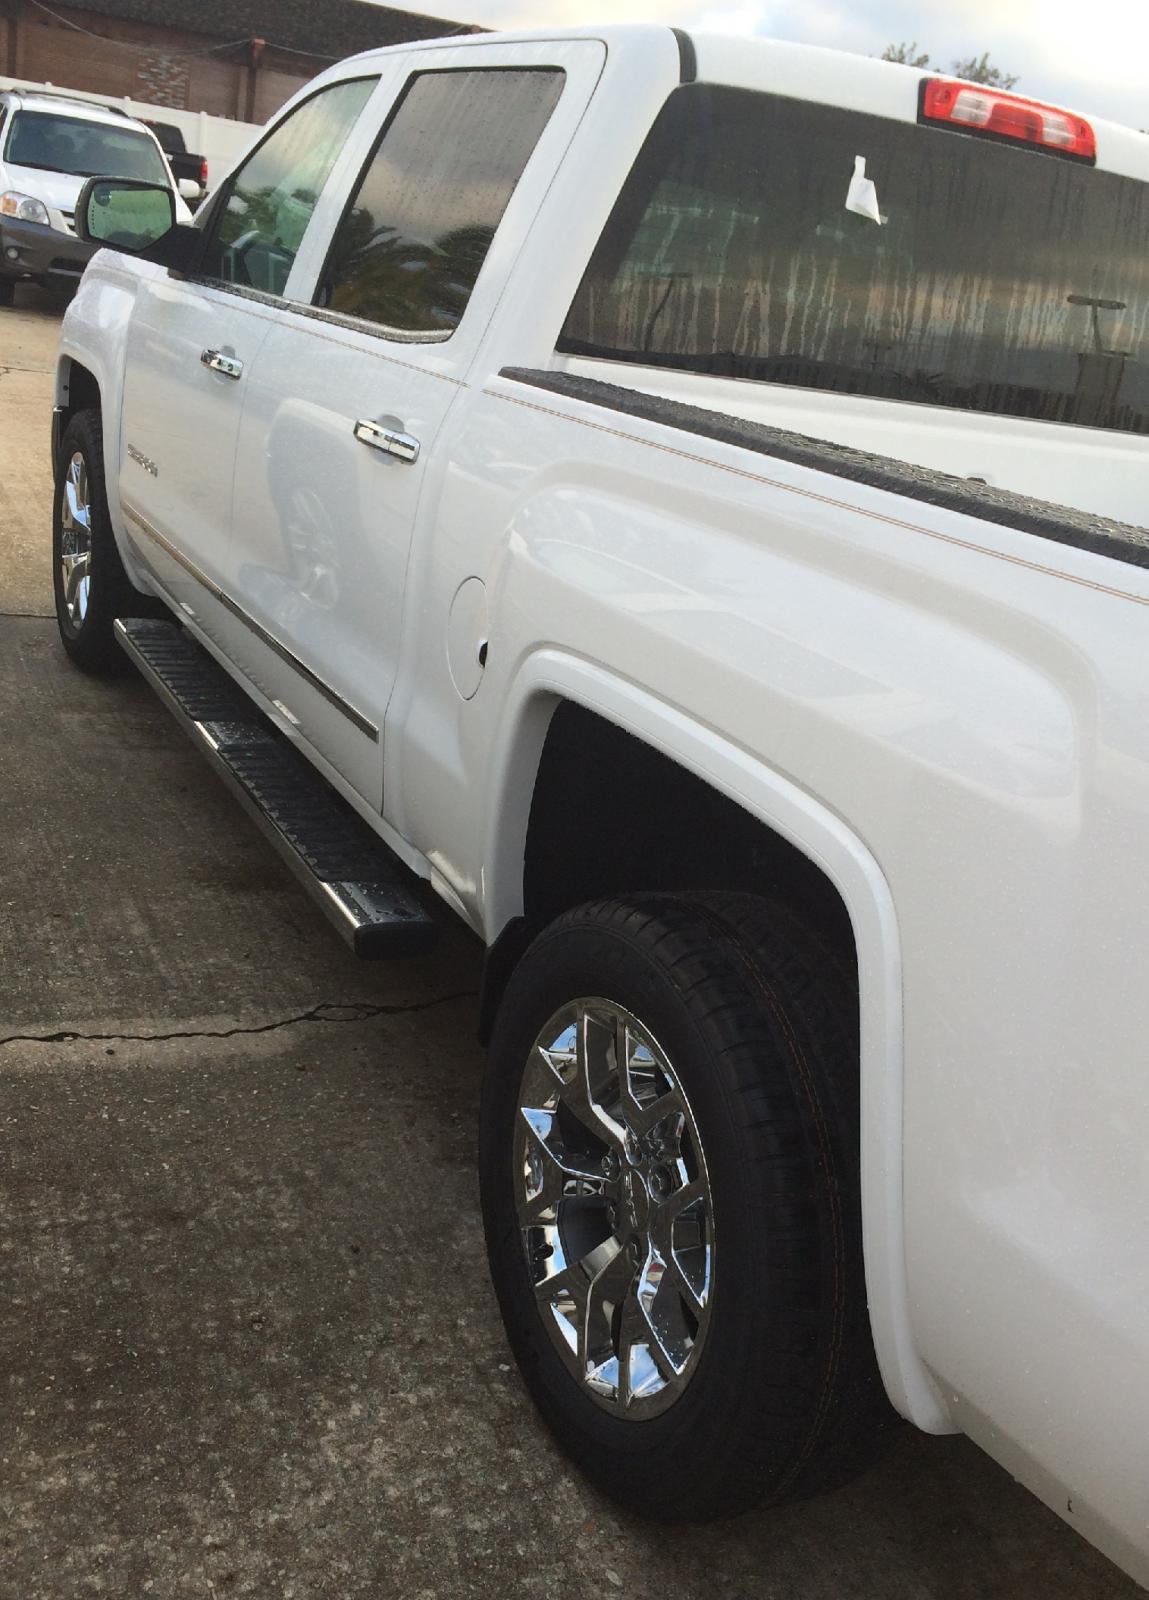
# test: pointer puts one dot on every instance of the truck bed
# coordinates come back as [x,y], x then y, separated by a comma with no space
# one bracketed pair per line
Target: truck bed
[1063,524]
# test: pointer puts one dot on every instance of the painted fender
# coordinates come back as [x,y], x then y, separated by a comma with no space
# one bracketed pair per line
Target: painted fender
[94,335]
[549,676]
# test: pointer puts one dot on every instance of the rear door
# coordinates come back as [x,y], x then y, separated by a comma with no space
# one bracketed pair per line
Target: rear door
[351,391]
[192,342]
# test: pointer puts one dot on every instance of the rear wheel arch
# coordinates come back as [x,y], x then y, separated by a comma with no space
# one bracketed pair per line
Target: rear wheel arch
[807,857]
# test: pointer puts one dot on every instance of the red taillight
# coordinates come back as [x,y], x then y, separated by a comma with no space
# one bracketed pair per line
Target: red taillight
[203,173]
[1010,116]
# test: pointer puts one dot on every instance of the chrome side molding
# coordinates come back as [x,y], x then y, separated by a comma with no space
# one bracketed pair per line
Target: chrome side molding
[364,724]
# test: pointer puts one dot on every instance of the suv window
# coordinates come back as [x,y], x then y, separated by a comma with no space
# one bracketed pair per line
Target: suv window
[85,149]
[1000,279]
[417,230]
[256,228]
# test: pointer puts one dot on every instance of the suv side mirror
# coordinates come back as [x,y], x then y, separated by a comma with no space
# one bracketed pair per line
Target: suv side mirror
[125,214]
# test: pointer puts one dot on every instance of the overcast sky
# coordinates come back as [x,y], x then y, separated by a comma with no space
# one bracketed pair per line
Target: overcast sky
[1092,55]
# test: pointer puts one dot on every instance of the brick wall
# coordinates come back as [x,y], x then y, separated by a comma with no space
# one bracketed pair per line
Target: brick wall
[161,66]
[163,80]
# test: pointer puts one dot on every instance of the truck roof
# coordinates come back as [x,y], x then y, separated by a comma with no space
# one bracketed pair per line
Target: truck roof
[798,71]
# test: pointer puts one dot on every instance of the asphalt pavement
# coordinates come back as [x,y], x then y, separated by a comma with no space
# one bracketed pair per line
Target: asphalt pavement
[247,1342]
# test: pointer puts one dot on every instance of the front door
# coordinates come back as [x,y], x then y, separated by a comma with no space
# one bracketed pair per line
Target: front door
[349,396]
[180,422]
[192,345]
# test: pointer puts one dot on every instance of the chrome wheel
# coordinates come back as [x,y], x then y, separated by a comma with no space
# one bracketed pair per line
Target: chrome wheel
[614,1208]
[76,540]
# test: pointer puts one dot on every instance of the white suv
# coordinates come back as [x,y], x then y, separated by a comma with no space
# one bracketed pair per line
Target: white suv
[49,144]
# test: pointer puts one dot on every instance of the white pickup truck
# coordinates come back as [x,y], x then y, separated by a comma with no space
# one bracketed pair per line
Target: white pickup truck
[678,498]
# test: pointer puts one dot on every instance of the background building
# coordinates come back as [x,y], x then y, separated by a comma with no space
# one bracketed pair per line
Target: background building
[231,58]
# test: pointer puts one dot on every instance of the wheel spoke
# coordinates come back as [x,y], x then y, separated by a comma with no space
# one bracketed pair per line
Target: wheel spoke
[587,1076]
[79,513]
[647,1097]
[76,569]
[554,1172]
[643,1362]
[662,1237]
[578,1294]
[679,1201]
[606,1291]
[676,1278]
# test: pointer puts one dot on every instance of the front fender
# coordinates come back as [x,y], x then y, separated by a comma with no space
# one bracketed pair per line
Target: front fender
[94,336]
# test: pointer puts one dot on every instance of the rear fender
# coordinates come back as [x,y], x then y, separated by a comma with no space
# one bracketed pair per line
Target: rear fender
[550,676]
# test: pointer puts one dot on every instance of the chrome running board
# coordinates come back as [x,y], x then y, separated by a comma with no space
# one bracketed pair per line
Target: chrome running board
[356,881]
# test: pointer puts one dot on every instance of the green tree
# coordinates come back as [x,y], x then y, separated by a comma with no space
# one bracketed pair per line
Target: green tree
[978,69]
[906,55]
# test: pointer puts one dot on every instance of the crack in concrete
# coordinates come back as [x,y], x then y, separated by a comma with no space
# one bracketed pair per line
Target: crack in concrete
[326,1011]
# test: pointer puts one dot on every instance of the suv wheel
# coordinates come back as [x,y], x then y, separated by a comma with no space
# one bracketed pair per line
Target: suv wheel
[669,1162]
[91,587]
[7,291]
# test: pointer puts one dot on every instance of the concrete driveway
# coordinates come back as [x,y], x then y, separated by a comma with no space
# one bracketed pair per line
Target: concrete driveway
[247,1341]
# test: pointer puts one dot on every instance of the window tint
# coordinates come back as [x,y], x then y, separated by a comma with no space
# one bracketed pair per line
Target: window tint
[999,279]
[415,235]
[255,230]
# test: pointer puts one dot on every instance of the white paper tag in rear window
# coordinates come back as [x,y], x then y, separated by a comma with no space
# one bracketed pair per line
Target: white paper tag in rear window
[862,196]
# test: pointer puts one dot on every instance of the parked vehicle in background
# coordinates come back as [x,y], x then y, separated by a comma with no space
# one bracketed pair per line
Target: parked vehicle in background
[682,499]
[185,165]
[49,146]
[220,141]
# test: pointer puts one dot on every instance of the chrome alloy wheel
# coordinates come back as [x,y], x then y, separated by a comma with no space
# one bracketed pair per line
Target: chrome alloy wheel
[76,540]
[614,1208]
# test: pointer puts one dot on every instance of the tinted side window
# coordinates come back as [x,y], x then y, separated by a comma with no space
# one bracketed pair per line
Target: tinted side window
[409,248]
[999,279]
[257,226]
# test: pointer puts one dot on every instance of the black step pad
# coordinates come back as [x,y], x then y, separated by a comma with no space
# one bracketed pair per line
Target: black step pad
[200,685]
[355,879]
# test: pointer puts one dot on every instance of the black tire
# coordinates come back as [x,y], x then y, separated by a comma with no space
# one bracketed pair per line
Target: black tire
[7,291]
[88,638]
[760,1025]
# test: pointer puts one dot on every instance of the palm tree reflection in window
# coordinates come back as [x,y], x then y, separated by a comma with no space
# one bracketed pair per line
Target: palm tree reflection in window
[418,285]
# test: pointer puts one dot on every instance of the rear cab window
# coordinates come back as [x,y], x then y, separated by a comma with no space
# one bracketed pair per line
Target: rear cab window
[998,279]
[413,238]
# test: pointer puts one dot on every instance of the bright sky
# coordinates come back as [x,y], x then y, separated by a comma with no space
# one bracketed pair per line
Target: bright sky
[1092,55]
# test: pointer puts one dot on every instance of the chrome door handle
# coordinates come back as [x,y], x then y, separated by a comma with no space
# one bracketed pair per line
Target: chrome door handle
[388,440]
[216,361]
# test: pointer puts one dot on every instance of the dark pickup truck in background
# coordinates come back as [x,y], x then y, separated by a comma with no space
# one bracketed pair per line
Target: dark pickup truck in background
[183,162]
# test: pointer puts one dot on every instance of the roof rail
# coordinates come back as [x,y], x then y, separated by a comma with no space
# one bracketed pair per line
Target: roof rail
[47,92]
